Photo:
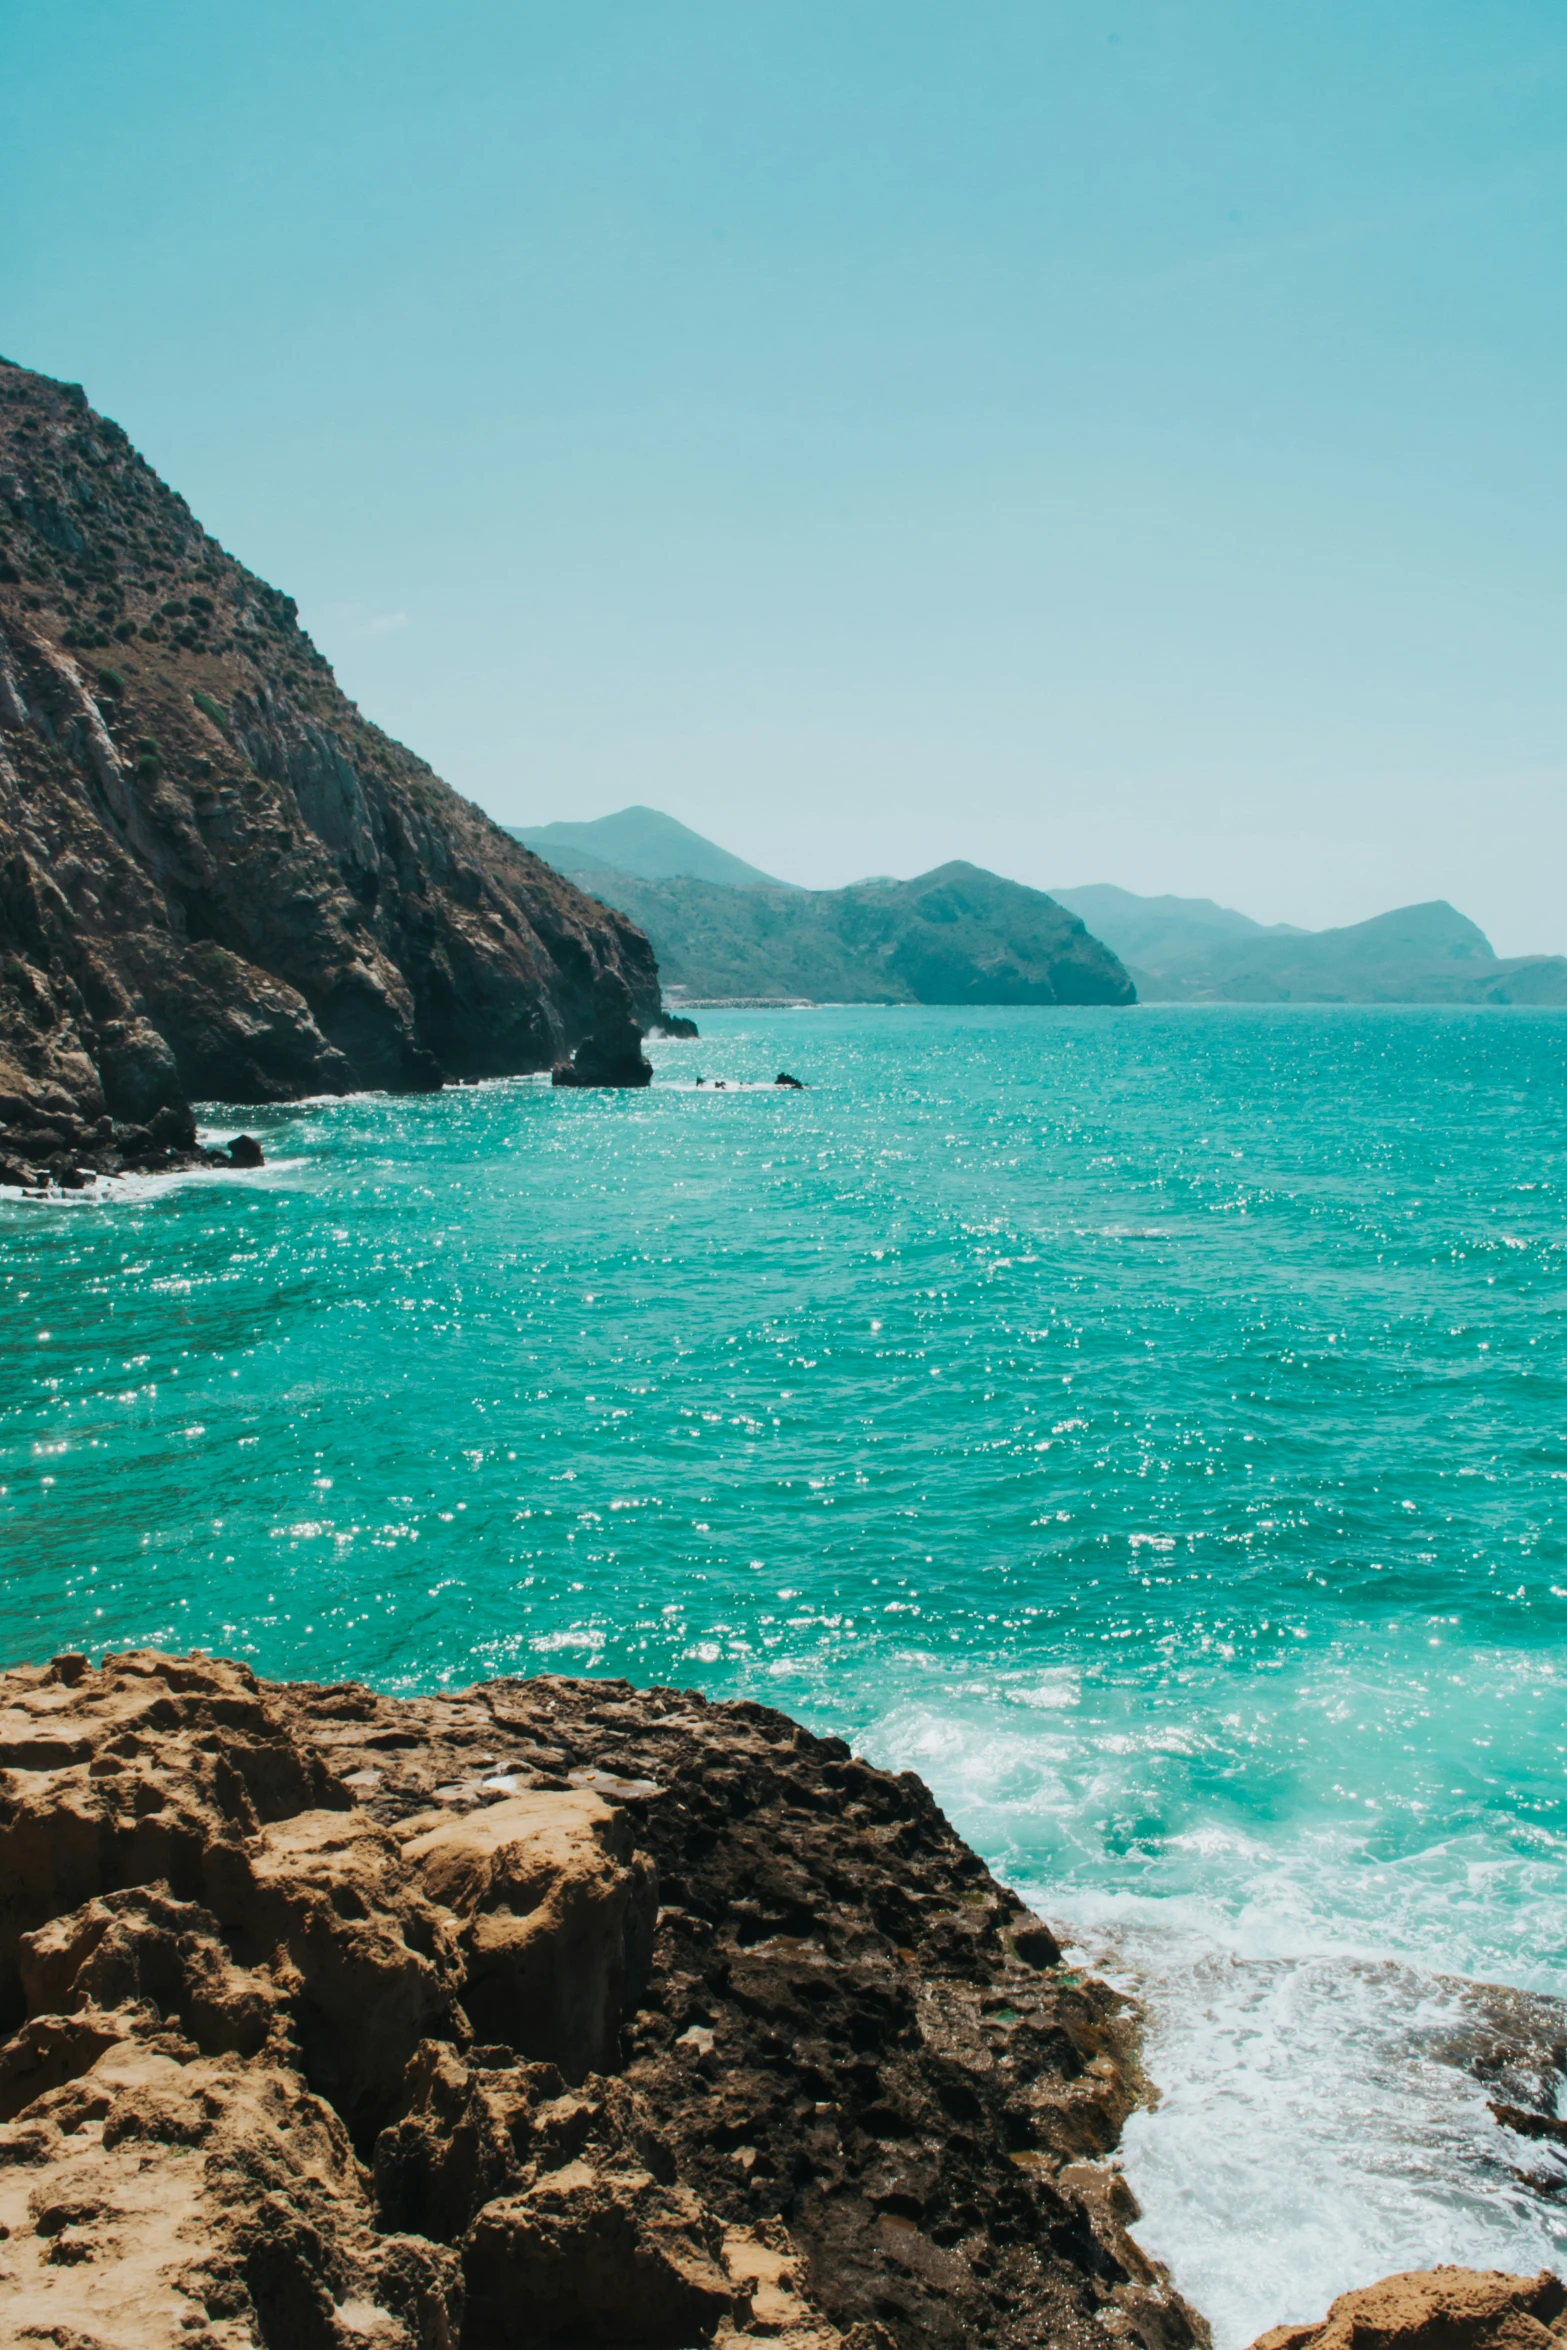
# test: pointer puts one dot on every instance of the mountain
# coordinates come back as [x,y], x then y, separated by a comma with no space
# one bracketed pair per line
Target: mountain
[958,935]
[217,878]
[1192,950]
[1149,929]
[643,842]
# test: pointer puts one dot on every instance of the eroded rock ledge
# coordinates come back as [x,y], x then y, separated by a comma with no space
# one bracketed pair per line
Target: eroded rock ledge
[550,2012]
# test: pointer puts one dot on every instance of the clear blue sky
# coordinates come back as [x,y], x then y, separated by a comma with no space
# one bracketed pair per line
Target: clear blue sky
[1108,441]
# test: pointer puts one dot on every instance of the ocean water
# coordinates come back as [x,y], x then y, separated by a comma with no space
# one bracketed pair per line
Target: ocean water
[1151,1426]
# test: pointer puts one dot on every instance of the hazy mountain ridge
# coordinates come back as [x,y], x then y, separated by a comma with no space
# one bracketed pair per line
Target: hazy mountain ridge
[643,841]
[216,876]
[1190,950]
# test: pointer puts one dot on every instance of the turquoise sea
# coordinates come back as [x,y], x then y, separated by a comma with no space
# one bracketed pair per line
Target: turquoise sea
[1151,1425]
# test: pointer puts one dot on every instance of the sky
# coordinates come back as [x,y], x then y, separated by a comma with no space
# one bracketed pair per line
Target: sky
[1110,442]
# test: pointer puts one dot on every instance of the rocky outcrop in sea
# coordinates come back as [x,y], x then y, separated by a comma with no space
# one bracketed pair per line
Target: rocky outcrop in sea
[217,878]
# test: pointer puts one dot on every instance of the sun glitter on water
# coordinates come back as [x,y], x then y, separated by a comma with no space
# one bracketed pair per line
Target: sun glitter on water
[1149,1426]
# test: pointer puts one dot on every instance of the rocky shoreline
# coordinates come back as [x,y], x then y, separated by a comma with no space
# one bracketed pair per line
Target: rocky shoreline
[549,2011]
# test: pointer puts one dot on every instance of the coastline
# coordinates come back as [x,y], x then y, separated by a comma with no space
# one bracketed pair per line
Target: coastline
[851,2056]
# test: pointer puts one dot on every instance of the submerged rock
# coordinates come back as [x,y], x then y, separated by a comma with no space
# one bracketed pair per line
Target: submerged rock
[548,2012]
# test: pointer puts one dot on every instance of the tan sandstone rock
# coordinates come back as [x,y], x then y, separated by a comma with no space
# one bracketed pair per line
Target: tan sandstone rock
[1438,2309]
[557,1912]
[596,2256]
[153,2202]
[166,1838]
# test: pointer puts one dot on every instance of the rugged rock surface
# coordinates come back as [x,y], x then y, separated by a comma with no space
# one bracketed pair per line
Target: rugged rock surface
[958,935]
[217,879]
[1438,2309]
[340,2019]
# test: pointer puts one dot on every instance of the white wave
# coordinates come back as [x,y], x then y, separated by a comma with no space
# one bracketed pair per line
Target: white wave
[1318,2125]
[1313,2013]
[108,1191]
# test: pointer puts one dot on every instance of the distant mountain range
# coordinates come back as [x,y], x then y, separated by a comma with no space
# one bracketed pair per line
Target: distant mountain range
[722,929]
[1189,950]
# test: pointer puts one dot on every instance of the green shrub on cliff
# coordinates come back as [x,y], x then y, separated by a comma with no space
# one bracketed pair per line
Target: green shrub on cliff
[215,964]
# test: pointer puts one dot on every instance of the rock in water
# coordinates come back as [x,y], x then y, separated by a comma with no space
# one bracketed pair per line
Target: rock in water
[613,1056]
[1438,2309]
[340,2019]
[216,877]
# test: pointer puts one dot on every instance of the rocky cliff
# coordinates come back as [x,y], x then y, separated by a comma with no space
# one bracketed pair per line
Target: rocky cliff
[546,2012]
[217,879]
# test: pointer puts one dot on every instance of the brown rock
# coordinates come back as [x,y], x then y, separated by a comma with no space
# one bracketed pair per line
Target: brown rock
[162,1840]
[772,2305]
[136,1775]
[557,1913]
[595,2256]
[367,1965]
[474,2128]
[850,2030]
[140,1947]
[1437,2309]
[460,2139]
[152,2199]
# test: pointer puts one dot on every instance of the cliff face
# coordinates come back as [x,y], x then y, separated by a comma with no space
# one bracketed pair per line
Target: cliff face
[216,877]
[653,2023]
[958,935]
